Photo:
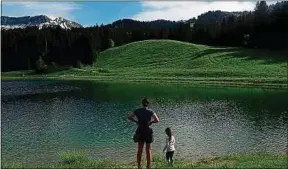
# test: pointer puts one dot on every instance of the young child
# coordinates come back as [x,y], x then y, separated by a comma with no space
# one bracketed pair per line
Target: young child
[170,142]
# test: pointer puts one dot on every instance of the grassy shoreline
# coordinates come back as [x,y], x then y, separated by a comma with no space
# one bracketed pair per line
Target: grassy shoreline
[257,160]
[272,83]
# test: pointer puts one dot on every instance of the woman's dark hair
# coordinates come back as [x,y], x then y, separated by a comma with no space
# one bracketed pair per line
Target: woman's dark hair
[145,102]
[168,132]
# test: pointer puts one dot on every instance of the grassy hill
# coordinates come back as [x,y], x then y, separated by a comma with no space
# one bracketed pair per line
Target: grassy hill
[174,61]
[175,58]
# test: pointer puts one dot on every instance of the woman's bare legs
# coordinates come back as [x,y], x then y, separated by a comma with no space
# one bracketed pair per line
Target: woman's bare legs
[148,155]
[139,154]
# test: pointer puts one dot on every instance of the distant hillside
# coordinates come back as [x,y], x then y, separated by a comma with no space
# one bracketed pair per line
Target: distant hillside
[132,24]
[206,18]
[213,17]
[40,21]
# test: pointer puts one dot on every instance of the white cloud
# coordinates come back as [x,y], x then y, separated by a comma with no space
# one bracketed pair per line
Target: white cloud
[51,9]
[183,10]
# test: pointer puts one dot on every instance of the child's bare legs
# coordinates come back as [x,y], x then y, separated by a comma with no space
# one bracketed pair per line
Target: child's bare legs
[148,155]
[139,154]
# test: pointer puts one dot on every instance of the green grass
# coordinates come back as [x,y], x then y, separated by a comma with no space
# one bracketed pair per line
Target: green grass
[78,160]
[179,62]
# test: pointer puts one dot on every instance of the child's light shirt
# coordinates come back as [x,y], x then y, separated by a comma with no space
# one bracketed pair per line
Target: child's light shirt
[170,144]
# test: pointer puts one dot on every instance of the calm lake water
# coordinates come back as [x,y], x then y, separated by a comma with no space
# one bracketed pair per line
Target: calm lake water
[41,119]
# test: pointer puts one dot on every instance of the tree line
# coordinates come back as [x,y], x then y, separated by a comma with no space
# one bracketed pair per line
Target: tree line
[265,27]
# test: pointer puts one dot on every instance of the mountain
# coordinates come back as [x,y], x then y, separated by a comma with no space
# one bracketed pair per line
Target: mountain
[134,24]
[210,17]
[213,17]
[40,21]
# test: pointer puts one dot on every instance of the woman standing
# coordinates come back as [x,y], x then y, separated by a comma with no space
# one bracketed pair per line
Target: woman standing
[144,133]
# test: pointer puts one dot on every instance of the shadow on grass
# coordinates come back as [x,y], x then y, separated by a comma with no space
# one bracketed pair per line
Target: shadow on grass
[269,56]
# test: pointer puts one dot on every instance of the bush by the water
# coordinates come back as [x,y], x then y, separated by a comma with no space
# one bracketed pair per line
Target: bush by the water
[54,65]
[111,43]
[79,65]
[40,65]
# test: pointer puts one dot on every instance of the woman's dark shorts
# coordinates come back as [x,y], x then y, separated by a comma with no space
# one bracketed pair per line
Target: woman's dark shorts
[143,135]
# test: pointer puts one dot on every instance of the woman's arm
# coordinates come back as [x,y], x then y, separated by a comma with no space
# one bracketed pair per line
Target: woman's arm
[155,118]
[130,117]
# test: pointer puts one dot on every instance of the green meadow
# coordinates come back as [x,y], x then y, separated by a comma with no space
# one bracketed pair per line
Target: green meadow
[170,61]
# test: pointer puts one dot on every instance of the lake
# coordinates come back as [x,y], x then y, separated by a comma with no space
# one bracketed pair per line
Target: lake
[42,119]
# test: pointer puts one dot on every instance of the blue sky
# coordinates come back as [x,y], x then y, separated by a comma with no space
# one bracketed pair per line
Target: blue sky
[92,13]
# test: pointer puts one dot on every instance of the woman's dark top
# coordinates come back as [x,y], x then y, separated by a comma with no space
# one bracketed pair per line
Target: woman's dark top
[144,132]
[144,116]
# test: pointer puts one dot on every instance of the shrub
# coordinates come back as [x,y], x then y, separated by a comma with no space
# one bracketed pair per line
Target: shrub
[54,65]
[111,43]
[40,65]
[79,64]
[96,55]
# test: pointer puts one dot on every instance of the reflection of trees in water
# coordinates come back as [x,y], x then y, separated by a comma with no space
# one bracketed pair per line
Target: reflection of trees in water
[267,118]
[253,101]
[133,91]
[267,110]
[38,96]
[125,93]
[95,91]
